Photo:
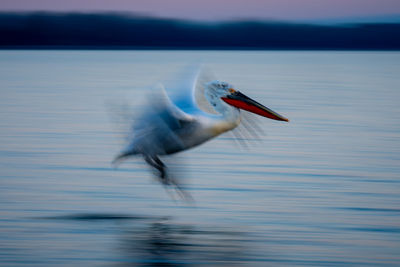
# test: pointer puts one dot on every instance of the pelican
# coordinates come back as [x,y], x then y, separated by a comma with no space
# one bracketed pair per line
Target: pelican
[186,115]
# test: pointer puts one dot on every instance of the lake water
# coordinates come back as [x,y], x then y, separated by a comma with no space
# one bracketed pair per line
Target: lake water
[322,190]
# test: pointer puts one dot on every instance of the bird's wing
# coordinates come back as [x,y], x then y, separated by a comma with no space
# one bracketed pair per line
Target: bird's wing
[187,90]
[168,115]
[158,128]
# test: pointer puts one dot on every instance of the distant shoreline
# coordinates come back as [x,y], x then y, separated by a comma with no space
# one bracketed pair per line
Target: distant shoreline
[132,48]
[104,31]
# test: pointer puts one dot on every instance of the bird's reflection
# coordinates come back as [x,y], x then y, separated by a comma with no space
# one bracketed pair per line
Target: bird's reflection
[163,243]
[143,240]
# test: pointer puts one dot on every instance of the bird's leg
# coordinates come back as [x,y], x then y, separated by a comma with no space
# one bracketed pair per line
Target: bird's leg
[184,195]
[162,166]
[162,169]
[156,163]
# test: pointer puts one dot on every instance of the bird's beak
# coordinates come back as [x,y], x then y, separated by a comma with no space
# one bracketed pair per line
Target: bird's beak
[239,100]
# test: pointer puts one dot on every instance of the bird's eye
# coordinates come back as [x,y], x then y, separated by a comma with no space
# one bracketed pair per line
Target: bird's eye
[231,90]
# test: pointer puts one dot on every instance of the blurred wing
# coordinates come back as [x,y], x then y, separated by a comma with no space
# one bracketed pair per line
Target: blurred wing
[187,90]
[205,76]
[159,128]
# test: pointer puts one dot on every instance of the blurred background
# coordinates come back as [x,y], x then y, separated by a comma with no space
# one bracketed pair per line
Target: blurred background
[322,190]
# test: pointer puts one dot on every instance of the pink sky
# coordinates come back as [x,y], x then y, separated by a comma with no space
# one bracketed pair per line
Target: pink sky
[219,9]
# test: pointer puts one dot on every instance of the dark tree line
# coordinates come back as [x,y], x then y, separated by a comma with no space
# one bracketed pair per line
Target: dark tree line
[113,31]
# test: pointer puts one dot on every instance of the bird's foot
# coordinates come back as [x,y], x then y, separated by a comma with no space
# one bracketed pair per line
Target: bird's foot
[165,179]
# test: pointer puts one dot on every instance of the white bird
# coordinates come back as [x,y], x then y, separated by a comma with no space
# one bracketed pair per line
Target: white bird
[192,113]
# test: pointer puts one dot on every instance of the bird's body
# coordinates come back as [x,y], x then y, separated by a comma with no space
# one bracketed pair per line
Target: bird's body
[189,115]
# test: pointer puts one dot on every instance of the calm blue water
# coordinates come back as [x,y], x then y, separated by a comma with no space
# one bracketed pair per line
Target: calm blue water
[322,190]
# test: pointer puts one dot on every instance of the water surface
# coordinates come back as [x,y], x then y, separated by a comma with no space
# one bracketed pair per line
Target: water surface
[321,190]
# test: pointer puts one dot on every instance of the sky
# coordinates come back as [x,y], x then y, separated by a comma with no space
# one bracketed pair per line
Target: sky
[291,10]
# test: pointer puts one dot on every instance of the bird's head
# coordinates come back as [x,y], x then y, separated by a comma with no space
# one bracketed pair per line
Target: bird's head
[227,93]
